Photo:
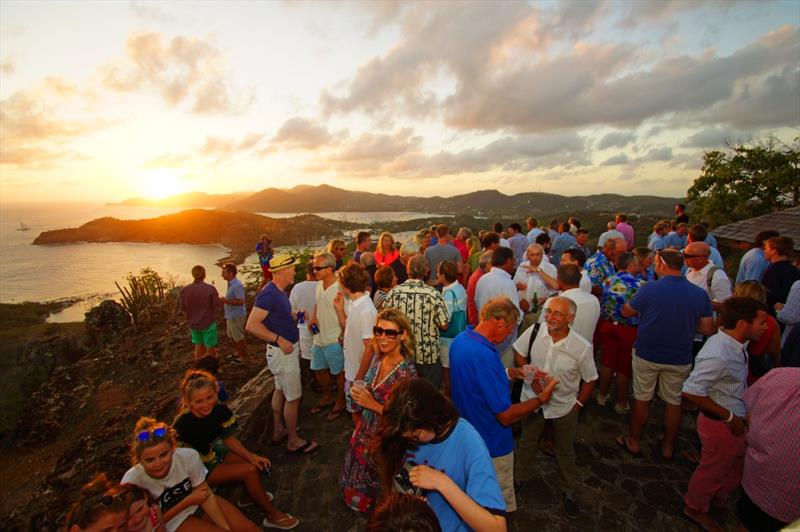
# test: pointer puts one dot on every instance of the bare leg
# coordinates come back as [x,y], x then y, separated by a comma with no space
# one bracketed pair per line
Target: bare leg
[196,524]
[236,518]
[672,422]
[199,351]
[278,423]
[324,380]
[212,351]
[290,412]
[639,413]
[606,375]
[241,349]
[236,469]
[339,392]
[622,389]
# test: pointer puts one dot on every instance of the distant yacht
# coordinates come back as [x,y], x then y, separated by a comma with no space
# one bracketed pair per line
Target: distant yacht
[23,227]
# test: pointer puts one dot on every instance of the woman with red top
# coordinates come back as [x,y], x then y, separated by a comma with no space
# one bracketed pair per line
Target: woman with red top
[386,253]
[769,345]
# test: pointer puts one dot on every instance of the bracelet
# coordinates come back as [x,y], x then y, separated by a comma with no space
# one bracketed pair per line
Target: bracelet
[277,337]
[730,417]
[578,401]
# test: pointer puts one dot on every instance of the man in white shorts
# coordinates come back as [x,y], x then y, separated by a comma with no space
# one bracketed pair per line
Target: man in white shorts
[303,298]
[271,320]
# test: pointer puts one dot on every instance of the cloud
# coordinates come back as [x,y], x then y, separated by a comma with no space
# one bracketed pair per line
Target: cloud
[616,140]
[36,127]
[400,155]
[182,69]
[301,133]
[659,154]
[616,159]
[650,12]
[151,11]
[713,137]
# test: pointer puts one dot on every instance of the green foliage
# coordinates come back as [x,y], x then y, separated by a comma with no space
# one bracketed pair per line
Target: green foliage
[746,180]
[141,293]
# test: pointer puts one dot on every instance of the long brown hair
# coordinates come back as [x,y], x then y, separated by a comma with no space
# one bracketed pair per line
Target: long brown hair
[97,498]
[412,405]
[408,346]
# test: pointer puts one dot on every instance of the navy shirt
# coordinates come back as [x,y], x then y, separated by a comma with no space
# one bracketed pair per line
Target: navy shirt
[480,389]
[669,311]
[279,312]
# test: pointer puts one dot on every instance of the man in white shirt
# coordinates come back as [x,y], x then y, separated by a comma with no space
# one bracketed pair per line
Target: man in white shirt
[566,356]
[705,274]
[578,258]
[303,297]
[532,278]
[498,282]
[588,307]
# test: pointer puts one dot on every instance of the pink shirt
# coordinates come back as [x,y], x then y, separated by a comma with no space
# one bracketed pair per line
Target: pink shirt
[771,475]
[462,248]
[385,260]
[472,308]
[627,231]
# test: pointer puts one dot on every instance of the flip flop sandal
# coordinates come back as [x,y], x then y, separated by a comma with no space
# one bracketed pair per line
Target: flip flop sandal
[622,441]
[290,521]
[306,448]
[319,408]
[245,504]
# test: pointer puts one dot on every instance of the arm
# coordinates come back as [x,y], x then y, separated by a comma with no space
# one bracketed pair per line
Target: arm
[366,359]
[313,319]
[706,326]
[474,515]
[211,508]
[737,425]
[338,305]
[551,282]
[628,311]
[520,410]
[256,327]
[585,393]
[197,497]
[233,443]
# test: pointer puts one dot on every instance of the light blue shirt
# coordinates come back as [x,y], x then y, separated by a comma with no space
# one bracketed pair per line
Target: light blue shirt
[657,242]
[235,291]
[715,256]
[752,266]
[720,373]
[532,234]
[674,240]
[790,313]
[496,282]
[563,242]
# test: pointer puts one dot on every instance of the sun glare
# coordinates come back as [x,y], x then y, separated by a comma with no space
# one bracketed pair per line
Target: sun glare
[158,183]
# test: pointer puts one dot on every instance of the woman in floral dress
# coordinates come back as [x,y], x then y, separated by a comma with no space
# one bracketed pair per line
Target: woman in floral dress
[392,362]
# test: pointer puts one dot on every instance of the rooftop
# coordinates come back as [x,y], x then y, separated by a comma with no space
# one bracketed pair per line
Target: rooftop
[786,222]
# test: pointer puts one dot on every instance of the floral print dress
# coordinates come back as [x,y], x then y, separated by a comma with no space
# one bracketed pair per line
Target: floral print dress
[360,481]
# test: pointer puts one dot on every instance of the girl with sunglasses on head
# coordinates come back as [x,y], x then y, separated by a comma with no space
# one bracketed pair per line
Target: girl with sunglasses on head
[392,361]
[176,478]
[421,426]
[100,508]
[203,421]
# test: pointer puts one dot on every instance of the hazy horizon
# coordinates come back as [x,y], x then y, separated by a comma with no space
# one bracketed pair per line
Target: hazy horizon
[107,101]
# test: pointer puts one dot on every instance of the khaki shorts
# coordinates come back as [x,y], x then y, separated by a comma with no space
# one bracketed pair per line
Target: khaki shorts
[444,353]
[236,328]
[286,369]
[669,378]
[504,469]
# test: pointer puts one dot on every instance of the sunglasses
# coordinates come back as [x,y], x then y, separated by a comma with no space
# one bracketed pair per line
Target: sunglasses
[109,500]
[390,333]
[318,268]
[147,435]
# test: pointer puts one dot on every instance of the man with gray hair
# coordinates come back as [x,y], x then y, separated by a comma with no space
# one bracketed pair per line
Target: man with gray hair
[480,387]
[408,249]
[531,280]
[560,353]
[425,309]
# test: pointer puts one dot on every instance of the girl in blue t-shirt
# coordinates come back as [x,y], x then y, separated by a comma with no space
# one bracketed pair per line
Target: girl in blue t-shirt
[420,437]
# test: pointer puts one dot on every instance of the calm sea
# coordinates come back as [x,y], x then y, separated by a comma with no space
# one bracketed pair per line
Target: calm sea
[89,270]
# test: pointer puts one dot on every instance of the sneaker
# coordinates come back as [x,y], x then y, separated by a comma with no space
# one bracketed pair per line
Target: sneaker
[571,507]
[602,400]
[622,409]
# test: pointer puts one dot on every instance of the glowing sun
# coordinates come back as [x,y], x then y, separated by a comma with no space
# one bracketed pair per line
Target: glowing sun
[158,183]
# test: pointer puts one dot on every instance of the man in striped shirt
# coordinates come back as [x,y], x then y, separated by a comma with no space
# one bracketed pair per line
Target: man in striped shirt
[717,385]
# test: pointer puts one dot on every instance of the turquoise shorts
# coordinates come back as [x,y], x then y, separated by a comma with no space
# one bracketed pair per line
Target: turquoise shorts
[206,337]
[330,357]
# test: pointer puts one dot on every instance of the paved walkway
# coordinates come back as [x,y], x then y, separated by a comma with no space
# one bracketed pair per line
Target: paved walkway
[616,490]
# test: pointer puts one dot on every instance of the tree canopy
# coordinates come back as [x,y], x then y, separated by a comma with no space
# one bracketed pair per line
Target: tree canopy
[746,180]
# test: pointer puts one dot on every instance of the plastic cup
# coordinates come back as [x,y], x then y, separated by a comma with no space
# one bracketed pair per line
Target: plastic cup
[359,385]
[529,373]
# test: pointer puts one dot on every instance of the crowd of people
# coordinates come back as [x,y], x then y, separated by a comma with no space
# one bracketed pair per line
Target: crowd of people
[456,358]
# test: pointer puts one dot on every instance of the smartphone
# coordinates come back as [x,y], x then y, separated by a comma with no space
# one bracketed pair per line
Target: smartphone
[402,481]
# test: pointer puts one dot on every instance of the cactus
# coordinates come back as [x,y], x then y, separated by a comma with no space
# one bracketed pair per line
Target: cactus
[142,292]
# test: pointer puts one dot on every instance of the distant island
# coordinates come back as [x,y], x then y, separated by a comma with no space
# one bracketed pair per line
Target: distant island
[325,198]
[237,231]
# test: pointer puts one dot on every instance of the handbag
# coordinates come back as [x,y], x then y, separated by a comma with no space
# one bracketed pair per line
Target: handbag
[458,320]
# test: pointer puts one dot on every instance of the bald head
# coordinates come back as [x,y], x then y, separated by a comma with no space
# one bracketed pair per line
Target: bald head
[698,248]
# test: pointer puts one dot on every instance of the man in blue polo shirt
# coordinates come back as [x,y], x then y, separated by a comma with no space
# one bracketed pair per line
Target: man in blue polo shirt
[480,388]
[670,311]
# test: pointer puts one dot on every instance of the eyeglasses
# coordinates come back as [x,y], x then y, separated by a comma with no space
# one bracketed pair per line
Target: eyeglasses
[318,268]
[390,333]
[147,435]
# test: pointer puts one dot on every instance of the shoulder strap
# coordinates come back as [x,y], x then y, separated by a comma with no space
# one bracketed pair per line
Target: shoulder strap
[455,299]
[710,277]
[534,333]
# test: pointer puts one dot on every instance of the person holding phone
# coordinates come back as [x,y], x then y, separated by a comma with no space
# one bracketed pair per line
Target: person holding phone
[422,426]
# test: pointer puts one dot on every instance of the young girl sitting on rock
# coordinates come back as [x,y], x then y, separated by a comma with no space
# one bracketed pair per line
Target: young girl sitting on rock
[176,478]
[100,507]
[203,421]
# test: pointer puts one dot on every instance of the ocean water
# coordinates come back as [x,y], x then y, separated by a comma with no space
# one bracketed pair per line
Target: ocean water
[88,270]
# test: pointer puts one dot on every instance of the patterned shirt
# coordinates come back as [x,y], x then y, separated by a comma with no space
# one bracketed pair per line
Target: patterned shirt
[519,245]
[618,289]
[425,309]
[772,459]
[599,267]
[720,373]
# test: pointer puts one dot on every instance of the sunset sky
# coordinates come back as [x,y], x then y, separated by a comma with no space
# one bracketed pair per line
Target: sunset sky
[111,100]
